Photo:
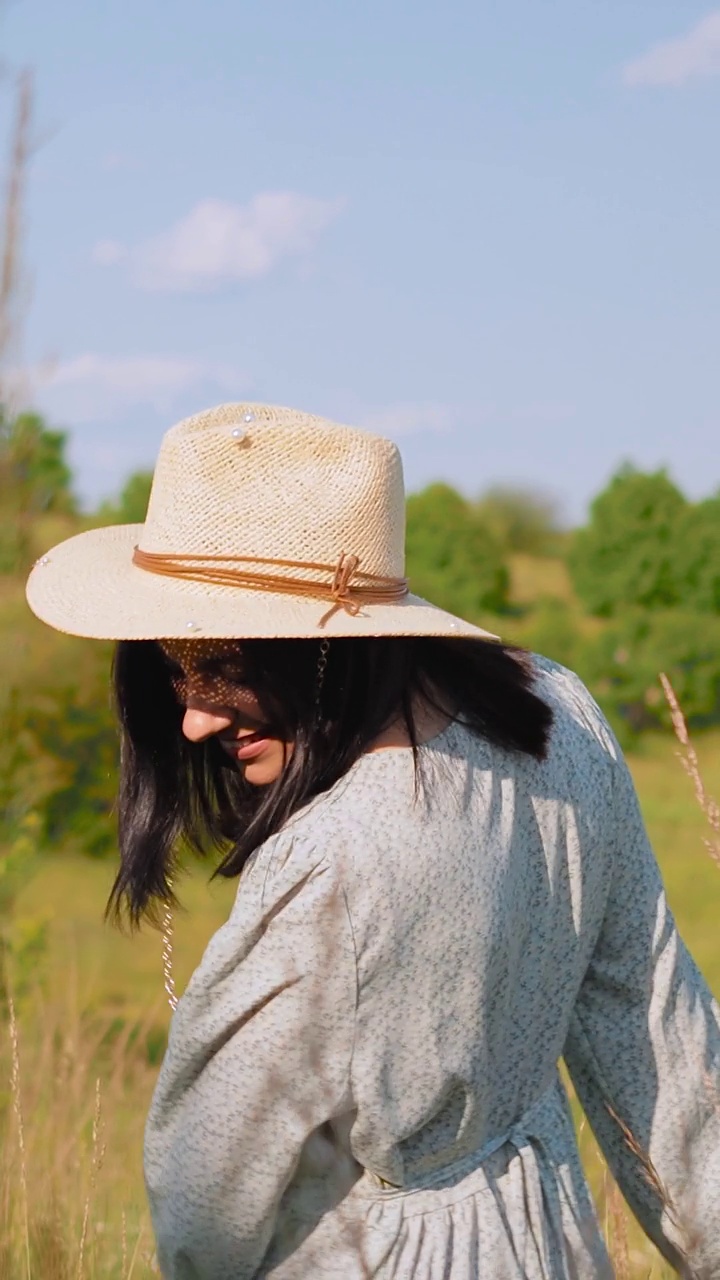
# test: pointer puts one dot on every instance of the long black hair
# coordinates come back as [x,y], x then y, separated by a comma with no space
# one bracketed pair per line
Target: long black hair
[176,794]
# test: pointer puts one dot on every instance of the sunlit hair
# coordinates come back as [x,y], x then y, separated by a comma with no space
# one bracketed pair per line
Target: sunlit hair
[176,794]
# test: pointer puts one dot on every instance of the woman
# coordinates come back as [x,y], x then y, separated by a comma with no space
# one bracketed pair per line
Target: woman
[444,887]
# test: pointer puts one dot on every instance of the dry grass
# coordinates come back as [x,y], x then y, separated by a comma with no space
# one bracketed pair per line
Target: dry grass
[621,1231]
[690,763]
[73,1205]
[71,1124]
[633,1256]
[79,1072]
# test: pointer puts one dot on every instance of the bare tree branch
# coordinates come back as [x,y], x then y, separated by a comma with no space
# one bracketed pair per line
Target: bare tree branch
[12,219]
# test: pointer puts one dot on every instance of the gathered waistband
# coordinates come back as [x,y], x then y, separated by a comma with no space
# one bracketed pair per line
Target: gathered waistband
[468,1175]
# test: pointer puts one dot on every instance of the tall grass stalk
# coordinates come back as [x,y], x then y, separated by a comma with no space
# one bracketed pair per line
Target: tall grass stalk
[689,761]
[136,1252]
[17,1107]
[619,1249]
[123,1244]
[98,1153]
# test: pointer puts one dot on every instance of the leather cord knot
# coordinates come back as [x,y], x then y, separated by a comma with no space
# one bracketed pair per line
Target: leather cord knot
[340,588]
[345,585]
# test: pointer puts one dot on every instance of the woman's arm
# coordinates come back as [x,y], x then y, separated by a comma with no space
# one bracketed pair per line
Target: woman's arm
[258,1058]
[644,1055]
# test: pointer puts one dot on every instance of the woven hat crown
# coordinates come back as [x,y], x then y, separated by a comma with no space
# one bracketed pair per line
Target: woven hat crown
[255,480]
[262,522]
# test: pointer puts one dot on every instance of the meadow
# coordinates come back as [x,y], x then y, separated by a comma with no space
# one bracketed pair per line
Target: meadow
[91,1027]
[86,1017]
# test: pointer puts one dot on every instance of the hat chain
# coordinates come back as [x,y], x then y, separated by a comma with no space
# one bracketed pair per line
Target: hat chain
[320,678]
[167,954]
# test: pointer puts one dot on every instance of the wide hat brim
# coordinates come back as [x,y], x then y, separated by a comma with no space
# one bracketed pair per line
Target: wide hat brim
[89,586]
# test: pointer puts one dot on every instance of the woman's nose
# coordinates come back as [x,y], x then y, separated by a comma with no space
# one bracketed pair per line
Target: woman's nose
[200,723]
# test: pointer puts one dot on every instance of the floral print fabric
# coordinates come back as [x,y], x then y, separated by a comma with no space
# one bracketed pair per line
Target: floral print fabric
[361,1078]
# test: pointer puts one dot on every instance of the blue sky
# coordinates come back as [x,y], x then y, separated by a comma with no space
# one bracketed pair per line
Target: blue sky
[488,229]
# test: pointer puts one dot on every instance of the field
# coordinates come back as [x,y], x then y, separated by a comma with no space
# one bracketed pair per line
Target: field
[92,1022]
[91,1013]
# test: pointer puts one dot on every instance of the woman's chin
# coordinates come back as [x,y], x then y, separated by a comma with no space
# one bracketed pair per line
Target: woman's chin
[258,775]
[265,768]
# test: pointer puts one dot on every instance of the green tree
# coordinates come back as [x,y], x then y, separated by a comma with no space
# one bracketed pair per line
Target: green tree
[34,462]
[131,506]
[520,519]
[696,556]
[81,739]
[621,665]
[34,479]
[452,558]
[551,628]
[625,555]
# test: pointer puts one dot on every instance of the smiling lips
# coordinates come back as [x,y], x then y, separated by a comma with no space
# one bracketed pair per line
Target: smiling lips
[247,746]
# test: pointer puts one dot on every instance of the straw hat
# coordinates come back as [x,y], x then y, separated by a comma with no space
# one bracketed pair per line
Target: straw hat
[262,522]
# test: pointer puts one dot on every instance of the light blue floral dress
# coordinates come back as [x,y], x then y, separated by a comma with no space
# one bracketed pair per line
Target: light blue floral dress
[362,1076]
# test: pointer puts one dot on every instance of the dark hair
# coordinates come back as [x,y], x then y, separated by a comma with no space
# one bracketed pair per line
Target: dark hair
[174,793]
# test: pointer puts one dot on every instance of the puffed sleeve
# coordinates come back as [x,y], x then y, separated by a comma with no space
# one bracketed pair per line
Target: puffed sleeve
[258,1059]
[644,1055]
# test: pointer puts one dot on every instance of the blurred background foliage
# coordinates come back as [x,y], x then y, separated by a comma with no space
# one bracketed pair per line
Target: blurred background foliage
[34,479]
[634,592]
[454,559]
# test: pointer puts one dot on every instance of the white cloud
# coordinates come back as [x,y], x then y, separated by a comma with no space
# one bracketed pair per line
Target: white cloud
[674,62]
[408,419]
[218,243]
[93,388]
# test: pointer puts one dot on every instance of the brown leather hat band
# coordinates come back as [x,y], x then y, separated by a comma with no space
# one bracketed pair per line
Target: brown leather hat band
[346,585]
